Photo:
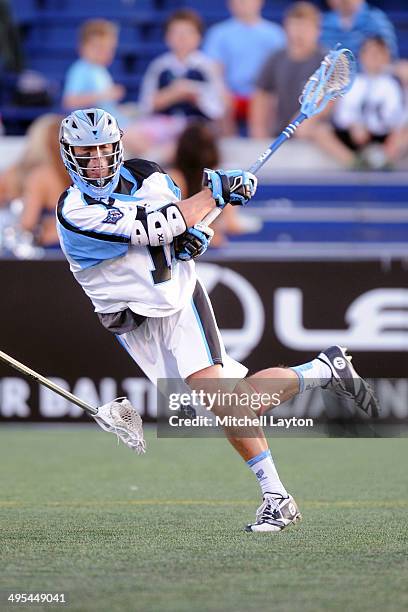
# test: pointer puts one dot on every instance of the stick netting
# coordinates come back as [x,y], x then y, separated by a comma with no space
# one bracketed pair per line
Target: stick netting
[340,72]
[333,78]
[119,417]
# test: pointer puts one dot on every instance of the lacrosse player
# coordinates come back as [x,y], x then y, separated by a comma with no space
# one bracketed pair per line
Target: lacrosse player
[131,244]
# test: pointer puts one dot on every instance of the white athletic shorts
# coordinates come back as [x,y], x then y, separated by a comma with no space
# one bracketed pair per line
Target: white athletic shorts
[181,344]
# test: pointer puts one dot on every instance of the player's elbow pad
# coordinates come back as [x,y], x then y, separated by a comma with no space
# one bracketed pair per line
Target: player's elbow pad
[158,227]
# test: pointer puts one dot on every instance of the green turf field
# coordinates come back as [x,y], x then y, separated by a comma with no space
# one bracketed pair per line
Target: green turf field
[114,531]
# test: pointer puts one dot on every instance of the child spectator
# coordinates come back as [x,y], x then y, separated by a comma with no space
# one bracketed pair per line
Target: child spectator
[350,22]
[285,72]
[241,45]
[184,81]
[88,81]
[373,110]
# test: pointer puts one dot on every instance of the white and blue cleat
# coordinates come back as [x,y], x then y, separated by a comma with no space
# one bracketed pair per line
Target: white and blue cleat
[274,514]
[346,382]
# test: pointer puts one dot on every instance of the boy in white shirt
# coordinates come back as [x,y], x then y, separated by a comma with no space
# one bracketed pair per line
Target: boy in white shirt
[374,107]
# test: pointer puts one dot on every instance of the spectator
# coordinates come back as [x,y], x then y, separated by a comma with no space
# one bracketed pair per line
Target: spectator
[38,180]
[42,189]
[183,81]
[12,180]
[373,110]
[241,45]
[350,22]
[281,82]
[88,81]
[197,149]
[282,77]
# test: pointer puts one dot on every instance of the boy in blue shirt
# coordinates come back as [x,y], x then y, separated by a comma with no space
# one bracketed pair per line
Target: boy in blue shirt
[240,45]
[351,22]
[88,81]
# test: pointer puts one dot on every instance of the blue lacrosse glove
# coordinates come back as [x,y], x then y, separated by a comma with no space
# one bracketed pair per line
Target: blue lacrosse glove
[235,187]
[193,243]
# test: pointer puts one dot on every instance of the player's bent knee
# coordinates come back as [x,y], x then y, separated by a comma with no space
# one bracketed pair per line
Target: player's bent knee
[226,396]
[240,396]
[248,395]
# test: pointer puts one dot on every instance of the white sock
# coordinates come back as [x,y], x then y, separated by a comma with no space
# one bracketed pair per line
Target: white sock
[265,471]
[313,374]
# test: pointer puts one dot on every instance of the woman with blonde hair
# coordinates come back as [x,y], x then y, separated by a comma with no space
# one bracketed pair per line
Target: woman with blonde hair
[37,180]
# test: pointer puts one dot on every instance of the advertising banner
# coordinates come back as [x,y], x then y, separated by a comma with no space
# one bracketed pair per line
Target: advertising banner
[269,312]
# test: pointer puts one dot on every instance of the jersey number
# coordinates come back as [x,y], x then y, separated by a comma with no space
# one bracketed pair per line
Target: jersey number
[162,268]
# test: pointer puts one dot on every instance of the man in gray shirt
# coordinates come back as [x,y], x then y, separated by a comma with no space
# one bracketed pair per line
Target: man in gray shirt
[280,83]
[282,77]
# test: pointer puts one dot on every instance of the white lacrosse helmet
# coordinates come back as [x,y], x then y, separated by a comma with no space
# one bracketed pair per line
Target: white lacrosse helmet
[91,127]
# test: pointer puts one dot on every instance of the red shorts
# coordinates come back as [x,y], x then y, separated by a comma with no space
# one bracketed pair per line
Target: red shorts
[241,108]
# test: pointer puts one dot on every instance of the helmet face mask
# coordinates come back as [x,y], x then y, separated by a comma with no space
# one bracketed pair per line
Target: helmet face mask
[106,169]
[93,166]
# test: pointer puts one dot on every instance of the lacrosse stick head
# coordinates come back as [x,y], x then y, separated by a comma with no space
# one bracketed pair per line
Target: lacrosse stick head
[332,79]
[120,418]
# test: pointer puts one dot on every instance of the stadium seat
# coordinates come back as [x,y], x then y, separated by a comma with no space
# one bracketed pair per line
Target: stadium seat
[320,211]
[24,9]
[100,8]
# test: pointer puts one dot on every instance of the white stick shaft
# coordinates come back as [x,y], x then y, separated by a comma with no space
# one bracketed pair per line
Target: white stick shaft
[47,383]
[208,219]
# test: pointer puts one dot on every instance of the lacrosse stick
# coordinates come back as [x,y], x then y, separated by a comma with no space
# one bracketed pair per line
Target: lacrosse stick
[117,417]
[332,79]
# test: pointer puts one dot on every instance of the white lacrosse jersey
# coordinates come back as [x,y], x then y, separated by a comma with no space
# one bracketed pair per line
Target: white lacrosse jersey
[95,238]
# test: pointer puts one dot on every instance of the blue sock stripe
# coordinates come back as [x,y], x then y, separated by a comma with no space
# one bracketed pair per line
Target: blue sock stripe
[263,455]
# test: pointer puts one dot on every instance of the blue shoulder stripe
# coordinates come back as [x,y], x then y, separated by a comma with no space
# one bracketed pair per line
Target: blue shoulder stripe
[89,252]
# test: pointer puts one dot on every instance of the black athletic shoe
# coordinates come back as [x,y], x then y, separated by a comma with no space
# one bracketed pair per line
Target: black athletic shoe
[346,381]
